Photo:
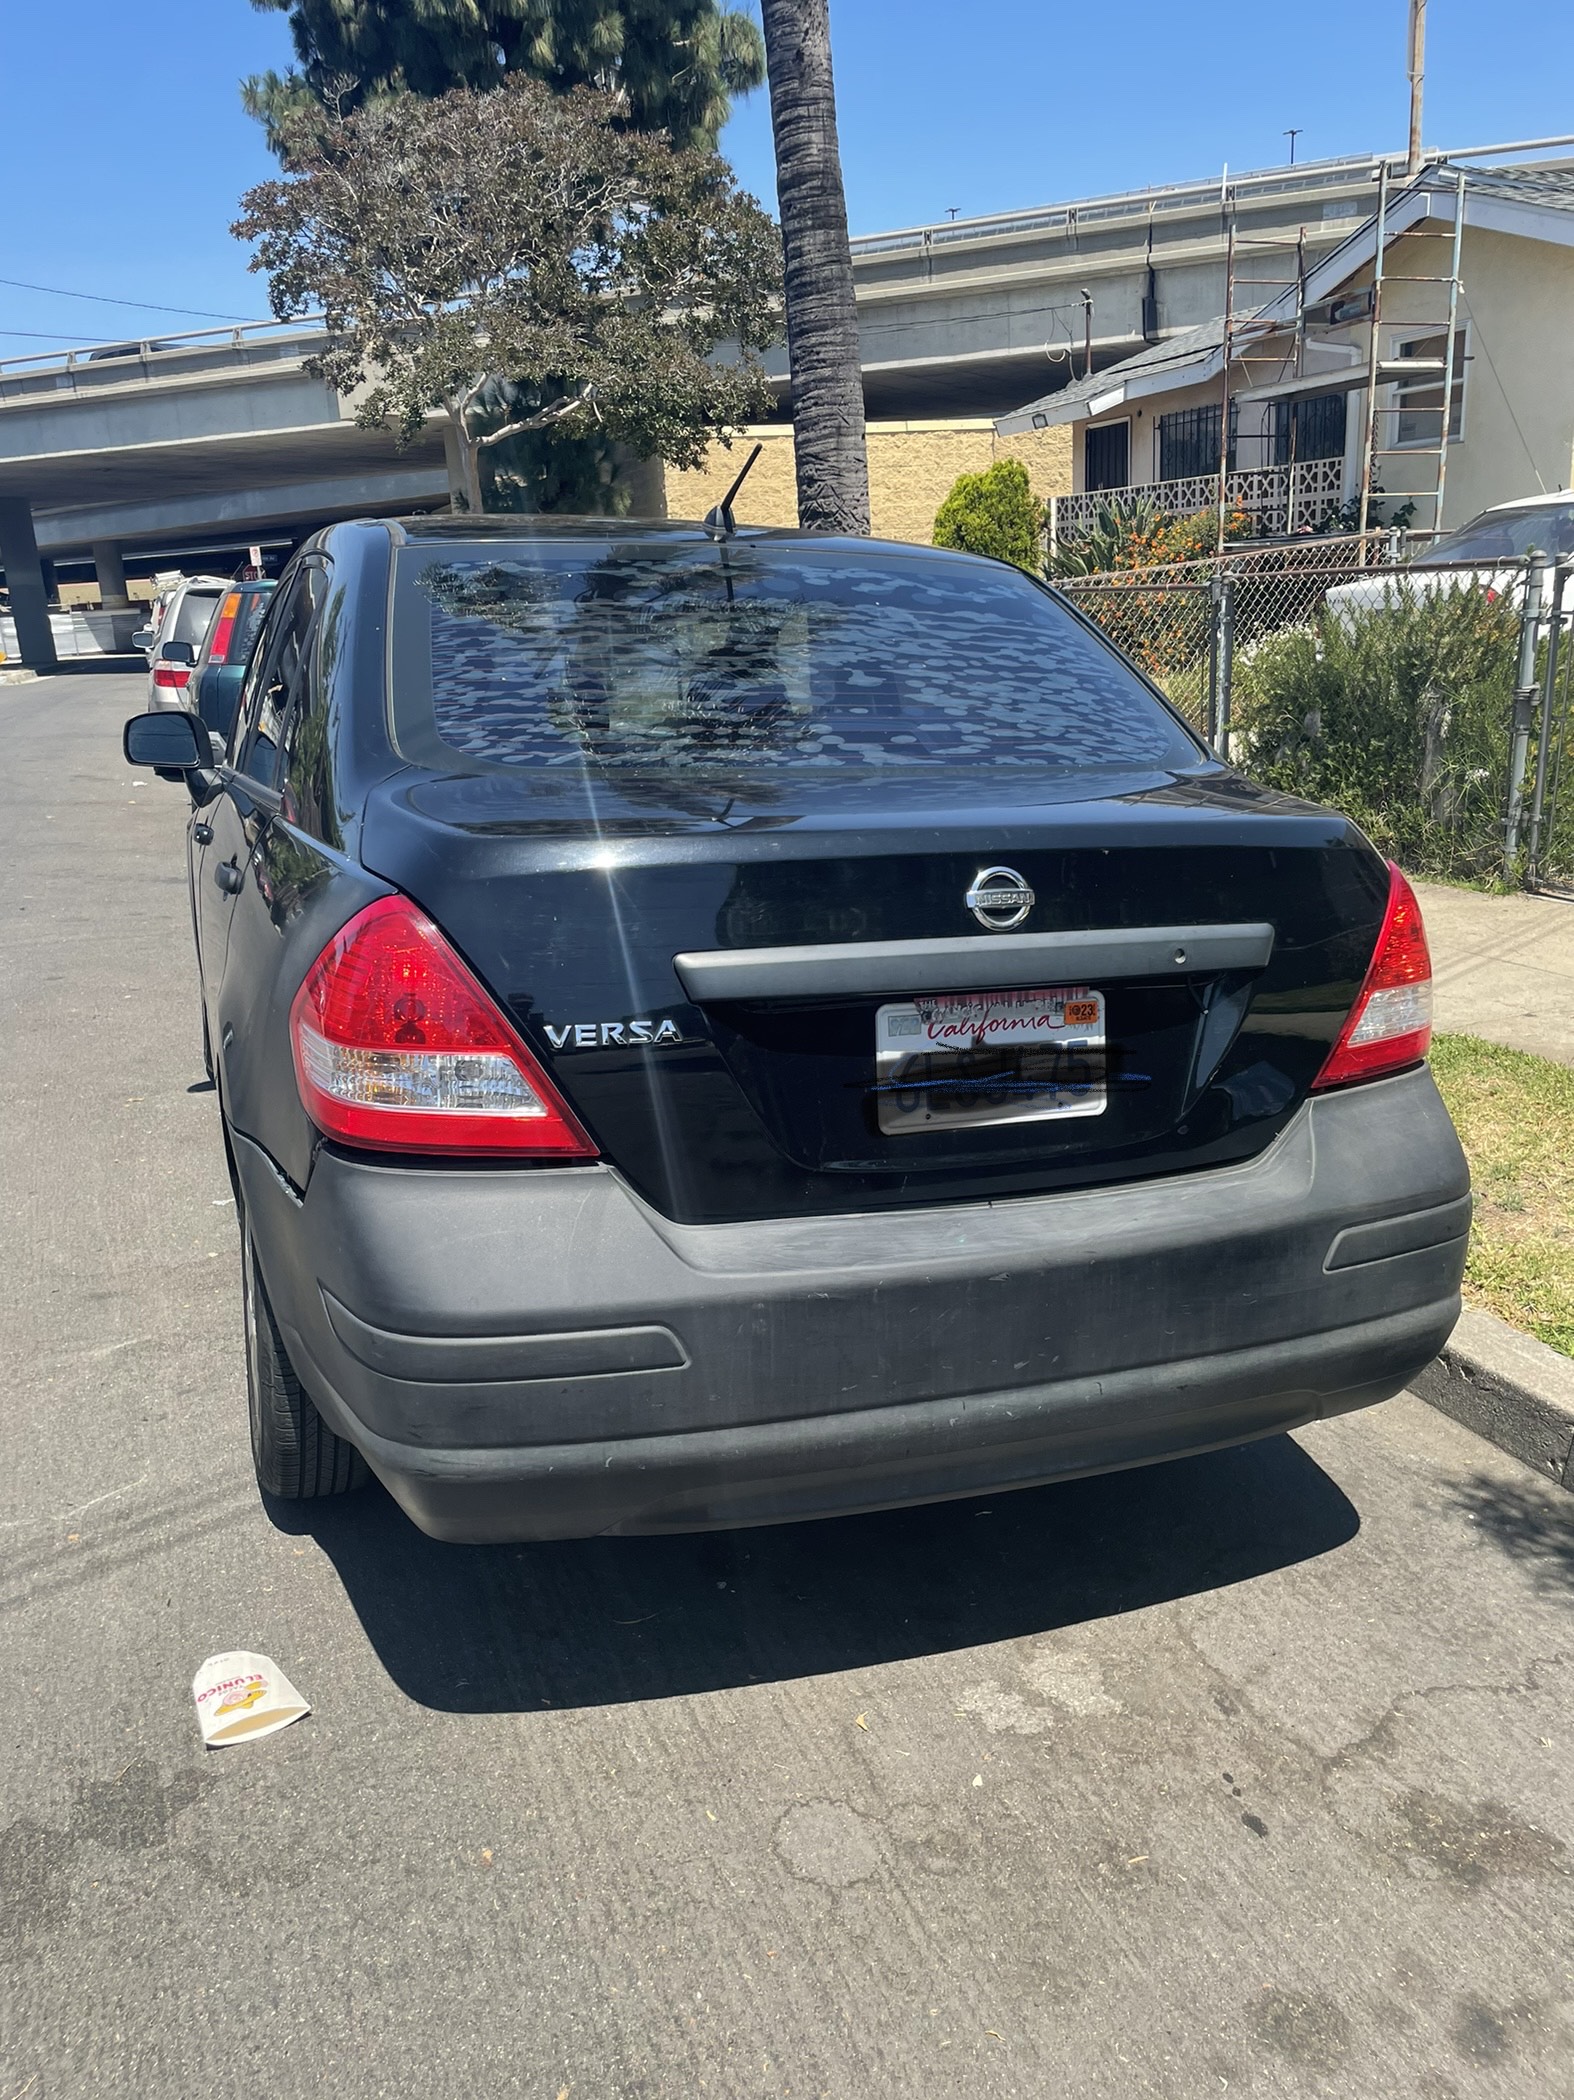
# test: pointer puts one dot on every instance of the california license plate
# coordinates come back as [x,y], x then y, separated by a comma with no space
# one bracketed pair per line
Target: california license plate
[959,1059]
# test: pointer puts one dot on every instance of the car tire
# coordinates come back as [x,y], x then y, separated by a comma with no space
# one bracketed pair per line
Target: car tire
[297,1456]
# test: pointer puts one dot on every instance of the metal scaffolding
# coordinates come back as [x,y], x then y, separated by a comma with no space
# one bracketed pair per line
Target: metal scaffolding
[1265,326]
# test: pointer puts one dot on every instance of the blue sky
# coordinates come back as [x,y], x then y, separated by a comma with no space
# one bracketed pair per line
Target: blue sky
[122,131]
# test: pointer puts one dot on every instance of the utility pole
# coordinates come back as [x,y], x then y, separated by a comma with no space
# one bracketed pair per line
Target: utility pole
[1417,71]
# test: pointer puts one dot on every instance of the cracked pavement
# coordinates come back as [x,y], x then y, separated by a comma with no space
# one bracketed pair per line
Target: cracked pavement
[1248,1774]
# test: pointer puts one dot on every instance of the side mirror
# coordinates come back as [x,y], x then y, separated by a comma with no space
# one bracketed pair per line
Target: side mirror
[173,743]
[179,652]
[143,638]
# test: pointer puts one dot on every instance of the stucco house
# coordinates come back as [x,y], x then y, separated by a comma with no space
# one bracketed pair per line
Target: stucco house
[1300,364]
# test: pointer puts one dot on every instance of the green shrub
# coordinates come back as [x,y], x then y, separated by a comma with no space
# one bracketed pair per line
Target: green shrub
[994,513]
[1398,714]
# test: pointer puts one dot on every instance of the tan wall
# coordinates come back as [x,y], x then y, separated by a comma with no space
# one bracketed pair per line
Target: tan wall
[1518,305]
[912,467]
[138,589]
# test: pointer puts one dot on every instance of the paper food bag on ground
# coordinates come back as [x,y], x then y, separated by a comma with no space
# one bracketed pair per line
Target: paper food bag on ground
[240,1695]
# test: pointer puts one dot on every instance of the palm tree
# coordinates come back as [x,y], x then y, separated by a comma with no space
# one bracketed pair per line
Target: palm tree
[822,320]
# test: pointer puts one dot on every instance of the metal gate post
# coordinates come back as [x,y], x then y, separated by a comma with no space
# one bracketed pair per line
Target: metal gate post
[1560,577]
[1226,660]
[1524,712]
[1215,602]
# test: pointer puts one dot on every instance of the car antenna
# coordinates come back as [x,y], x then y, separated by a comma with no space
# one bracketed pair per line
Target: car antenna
[719,519]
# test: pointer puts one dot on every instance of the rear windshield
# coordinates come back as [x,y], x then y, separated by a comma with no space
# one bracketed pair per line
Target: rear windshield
[193,616]
[252,607]
[1506,535]
[742,659]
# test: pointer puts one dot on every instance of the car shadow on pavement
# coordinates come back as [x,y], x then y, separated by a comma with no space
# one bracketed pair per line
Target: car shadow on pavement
[498,1629]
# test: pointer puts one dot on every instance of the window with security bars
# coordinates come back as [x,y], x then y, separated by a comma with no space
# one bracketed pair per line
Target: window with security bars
[1309,429]
[1420,401]
[1189,442]
[1106,457]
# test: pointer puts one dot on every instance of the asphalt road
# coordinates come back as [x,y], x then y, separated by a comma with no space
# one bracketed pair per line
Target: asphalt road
[1250,1774]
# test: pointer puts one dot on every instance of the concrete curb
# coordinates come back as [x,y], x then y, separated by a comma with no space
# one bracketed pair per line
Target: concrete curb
[16,677]
[1509,1388]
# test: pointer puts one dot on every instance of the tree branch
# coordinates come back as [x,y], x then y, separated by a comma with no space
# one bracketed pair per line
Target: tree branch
[544,418]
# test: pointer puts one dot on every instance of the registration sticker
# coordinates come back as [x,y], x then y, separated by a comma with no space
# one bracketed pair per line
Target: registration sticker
[958,1059]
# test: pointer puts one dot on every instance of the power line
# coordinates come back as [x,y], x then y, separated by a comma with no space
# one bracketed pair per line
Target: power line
[1016,313]
[56,291]
[52,335]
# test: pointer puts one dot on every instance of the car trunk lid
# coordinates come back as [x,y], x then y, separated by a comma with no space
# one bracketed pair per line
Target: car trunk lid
[728,1004]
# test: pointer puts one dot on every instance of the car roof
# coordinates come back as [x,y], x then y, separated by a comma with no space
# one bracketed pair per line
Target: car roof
[1558,500]
[520,527]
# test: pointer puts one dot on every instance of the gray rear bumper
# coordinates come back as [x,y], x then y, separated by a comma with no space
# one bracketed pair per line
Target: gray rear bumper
[535,1353]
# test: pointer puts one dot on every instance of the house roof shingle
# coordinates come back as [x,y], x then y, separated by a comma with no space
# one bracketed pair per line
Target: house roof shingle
[1174,352]
[1550,186]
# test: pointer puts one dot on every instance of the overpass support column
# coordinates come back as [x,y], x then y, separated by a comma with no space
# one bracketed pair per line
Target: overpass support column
[111,573]
[113,596]
[24,575]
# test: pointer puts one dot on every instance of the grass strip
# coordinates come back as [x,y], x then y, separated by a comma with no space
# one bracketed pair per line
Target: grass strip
[1515,1118]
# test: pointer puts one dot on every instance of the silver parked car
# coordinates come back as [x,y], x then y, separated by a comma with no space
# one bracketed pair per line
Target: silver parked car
[1487,554]
[174,635]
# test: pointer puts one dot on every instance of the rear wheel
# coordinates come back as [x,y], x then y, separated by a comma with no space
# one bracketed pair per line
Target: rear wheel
[296,1454]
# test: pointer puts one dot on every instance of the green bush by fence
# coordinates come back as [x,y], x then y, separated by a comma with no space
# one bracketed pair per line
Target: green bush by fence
[1397,713]
[995,513]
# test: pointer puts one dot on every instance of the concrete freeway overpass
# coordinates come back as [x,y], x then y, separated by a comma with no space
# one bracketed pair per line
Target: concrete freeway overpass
[208,441]
[187,443]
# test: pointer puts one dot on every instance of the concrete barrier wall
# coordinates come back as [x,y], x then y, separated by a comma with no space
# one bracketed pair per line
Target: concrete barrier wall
[911,469]
[76,633]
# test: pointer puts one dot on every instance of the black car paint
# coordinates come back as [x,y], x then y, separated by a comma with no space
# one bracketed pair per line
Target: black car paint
[763,1113]
[256,944]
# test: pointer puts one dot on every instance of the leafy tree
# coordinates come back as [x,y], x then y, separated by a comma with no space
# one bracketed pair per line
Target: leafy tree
[822,319]
[520,236]
[996,513]
[678,62]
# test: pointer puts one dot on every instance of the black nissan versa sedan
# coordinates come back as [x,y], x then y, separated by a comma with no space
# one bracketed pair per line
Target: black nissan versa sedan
[719,1027]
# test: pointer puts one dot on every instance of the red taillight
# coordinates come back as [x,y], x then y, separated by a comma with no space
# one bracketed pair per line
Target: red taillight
[223,628]
[398,1047]
[1390,1024]
[173,676]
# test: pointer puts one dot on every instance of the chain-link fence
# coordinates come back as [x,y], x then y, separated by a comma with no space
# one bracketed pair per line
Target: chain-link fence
[1432,701]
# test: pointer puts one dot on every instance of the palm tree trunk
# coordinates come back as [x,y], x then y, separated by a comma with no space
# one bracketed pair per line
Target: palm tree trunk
[822,320]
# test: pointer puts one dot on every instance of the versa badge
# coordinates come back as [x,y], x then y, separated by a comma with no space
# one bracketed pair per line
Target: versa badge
[599,1035]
